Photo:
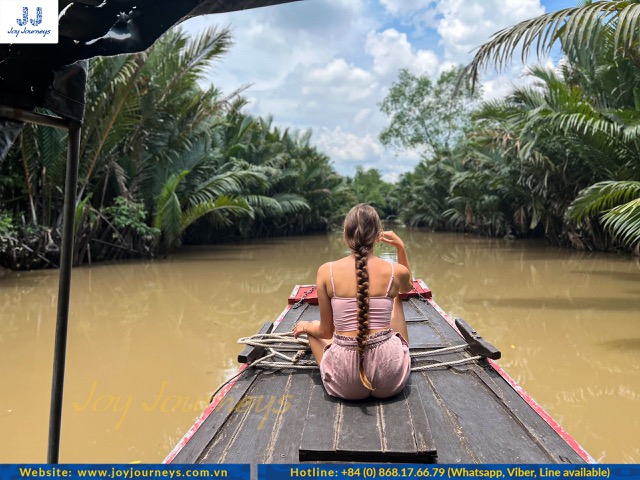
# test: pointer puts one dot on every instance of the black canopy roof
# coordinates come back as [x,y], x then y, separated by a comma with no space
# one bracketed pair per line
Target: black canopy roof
[54,75]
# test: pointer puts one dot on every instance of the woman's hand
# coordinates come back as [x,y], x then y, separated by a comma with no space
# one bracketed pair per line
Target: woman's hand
[299,328]
[389,236]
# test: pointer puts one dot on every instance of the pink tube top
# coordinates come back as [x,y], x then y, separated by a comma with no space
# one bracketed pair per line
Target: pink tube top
[345,313]
[345,309]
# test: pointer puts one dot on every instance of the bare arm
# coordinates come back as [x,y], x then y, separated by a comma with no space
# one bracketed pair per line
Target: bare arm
[324,328]
[406,279]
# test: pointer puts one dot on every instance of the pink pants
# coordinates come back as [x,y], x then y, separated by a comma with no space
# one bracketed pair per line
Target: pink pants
[386,362]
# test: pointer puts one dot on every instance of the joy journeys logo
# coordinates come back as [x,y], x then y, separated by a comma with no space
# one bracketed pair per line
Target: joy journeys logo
[28,21]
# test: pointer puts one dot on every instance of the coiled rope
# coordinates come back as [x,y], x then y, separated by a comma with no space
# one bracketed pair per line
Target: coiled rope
[276,343]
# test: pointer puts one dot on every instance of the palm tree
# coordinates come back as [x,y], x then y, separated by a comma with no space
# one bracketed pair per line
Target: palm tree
[163,158]
[599,117]
[177,208]
[149,113]
[425,192]
[254,145]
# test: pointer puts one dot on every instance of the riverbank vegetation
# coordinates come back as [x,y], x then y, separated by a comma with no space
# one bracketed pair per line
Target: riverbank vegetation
[163,161]
[166,161]
[558,157]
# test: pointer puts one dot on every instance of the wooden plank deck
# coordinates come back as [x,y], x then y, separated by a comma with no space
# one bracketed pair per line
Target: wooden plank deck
[390,430]
[468,413]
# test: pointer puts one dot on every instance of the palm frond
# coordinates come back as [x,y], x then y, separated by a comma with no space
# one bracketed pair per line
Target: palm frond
[225,208]
[79,213]
[601,197]
[264,203]
[623,222]
[291,203]
[168,216]
[228,183]
[581,26]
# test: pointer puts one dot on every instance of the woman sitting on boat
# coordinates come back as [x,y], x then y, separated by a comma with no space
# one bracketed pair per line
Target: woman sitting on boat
[360,342]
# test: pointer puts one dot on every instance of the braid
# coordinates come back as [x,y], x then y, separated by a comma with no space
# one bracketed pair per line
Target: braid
[362,228]
[362,276]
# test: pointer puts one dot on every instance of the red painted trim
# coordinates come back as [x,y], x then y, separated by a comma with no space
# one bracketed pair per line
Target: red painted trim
[298,292]
[420,289]
[194,428]
[218,398]
[312,297]
[444,315]
[526,397]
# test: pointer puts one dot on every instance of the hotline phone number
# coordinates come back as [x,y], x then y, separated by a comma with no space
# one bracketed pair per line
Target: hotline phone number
[392,472]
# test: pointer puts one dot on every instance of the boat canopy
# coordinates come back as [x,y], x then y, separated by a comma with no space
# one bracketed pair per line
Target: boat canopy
[53,76]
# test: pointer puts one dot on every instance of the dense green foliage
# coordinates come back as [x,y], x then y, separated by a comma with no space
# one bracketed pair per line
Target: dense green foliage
[559,157]
[163,161]
[367,186]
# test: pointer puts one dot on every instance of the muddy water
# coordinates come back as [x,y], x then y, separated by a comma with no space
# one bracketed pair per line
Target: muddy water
[149,342]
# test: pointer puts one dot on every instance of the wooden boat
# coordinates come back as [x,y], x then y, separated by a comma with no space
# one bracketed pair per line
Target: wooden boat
[468,412]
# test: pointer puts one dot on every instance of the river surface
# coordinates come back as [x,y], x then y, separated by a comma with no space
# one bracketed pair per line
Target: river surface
[149,341]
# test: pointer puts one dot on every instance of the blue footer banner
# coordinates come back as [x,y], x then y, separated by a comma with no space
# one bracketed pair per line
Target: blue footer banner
[421,471]
[124,471]
[305,471]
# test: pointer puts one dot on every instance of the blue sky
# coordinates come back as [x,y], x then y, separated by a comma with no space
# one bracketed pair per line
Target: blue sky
[326,64]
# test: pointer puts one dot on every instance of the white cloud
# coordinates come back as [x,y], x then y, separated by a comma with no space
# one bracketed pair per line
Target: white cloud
[462,25]
[362,116]
[340,81]
[393,165]
[348,150]
[326,64]
[270,43]
[346,147]
[392,51]
[466,24]
[498,86]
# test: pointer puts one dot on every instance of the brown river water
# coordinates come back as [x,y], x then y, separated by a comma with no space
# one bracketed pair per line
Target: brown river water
[149,341]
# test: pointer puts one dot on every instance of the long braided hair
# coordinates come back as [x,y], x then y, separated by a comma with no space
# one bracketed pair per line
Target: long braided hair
[362,228]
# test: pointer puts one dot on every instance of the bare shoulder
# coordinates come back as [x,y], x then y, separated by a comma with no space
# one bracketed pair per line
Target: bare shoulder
[322,279]
[343,261]
[323,270]
[403,277]
[400,270]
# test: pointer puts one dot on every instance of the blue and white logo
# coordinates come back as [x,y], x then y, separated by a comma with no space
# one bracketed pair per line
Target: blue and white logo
[25,16]
[28,21]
